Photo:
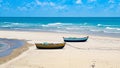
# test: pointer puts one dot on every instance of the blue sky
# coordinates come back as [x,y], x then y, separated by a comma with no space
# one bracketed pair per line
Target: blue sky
[59,8]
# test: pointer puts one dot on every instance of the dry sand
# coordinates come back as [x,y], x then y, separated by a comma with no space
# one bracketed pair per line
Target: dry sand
[97,52]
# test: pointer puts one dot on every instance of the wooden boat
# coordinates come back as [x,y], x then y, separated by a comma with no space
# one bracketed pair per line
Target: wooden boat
[72,39]
[50,45]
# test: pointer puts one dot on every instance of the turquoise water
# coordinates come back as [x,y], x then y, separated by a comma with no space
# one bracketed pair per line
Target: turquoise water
[105,26]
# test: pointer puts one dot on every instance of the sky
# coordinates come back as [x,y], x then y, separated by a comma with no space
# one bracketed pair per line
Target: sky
[59,8]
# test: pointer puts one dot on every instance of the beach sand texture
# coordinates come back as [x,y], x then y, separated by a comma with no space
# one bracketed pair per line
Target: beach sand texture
[97,52]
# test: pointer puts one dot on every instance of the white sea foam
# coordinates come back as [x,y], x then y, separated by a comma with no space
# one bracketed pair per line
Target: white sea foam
[105,31]
[107,25]
[55,24]
[62,27]
[93,30]
[111,28]
[6,22]
[51,24]
[72,28]
[5,26]
[13,24]
[85,23]
[111,32]
[61,31]
[20,24]
[99,24]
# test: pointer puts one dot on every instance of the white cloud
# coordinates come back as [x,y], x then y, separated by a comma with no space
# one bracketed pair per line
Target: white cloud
[30,5]
[78,2]
[111,1]
[60,7]
[27,6]
[52,4]
[45,3]
[22,8]
[38,2]
[91,0]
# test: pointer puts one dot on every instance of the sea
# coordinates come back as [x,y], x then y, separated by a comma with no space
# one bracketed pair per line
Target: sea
[100,26]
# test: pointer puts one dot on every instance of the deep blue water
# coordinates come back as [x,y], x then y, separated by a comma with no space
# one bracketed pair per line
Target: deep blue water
[105,26]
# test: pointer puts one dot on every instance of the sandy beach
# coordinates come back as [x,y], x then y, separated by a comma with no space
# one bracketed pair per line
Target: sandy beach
[97,52]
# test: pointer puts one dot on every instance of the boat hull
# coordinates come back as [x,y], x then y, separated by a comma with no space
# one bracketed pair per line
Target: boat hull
[84,39]
[50,46]
[75,40]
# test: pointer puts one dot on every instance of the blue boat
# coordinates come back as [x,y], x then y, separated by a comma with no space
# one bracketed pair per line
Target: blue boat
[73,39]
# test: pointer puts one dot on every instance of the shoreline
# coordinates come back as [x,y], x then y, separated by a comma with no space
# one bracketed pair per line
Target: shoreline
[16,52]
[59,33]
[103,51]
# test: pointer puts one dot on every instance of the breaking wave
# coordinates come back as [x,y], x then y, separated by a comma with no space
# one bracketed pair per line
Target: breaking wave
[61,27]
[55,24]
[110,28]
[101,25]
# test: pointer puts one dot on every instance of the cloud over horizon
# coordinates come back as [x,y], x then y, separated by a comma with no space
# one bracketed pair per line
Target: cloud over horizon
[60,8]
[78,2]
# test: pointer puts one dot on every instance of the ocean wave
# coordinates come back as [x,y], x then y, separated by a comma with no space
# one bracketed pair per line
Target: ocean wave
[20,24]
[105,31]
[85,23]
[111,28]
[55,24]
[12,23]
[115,32]
[15,24]
[5,26]
[6,22]
[79,27]
[52,24]
[61,27]
[96,30]
[61,31]
[101,25]
[68,28]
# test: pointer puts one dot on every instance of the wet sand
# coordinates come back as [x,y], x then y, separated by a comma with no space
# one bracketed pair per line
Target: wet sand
[16,52]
